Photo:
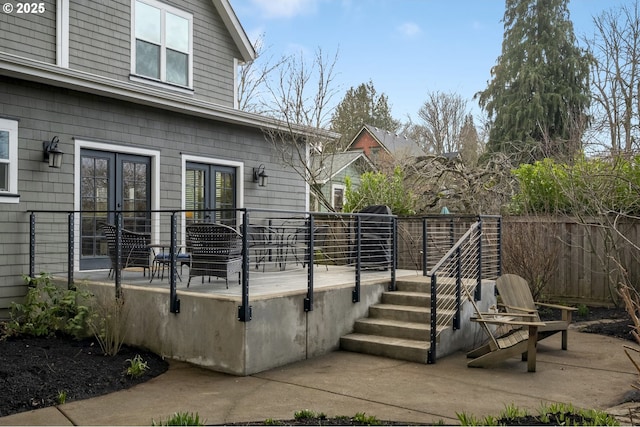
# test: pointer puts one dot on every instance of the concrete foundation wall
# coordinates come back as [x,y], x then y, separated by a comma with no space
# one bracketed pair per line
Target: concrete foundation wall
[207,333]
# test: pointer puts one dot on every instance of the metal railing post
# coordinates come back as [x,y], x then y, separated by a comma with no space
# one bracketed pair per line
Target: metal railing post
[499,246]
[394,252]
[433,334]
[308,301]
[456,316]
[244,310]
[70,252]
[32,245]
[355,295]
[174,301]
[478,293]
[424,247]
[118,249]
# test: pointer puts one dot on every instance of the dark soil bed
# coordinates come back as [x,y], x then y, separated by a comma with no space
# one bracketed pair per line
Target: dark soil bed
[38,372]
[34,372]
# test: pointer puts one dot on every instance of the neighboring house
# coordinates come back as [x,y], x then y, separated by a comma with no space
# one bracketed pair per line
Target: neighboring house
[331,172]
[140,95]
[382,146]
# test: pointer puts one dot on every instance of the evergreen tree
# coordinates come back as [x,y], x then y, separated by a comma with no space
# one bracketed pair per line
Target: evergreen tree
[539,92]
[361,106]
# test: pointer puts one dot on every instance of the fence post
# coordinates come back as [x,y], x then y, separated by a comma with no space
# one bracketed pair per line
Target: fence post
[174,301]
[308,301]
[355,295]
[70,251]
[244,310]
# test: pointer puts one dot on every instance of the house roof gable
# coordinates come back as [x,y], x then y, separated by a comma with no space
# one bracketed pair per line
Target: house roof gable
[338,162]
[236,30]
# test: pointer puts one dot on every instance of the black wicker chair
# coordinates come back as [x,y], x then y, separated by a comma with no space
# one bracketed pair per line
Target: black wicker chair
[216,250]
[135,250]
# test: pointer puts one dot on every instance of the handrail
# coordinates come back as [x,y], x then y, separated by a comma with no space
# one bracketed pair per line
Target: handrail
[461,262]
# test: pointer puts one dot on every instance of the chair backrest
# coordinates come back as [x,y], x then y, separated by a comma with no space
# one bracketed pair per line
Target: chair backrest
[134,246]
[515,292]
[209,239]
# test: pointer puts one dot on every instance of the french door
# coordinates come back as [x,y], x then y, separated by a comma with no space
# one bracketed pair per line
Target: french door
[111,182]
[210,194]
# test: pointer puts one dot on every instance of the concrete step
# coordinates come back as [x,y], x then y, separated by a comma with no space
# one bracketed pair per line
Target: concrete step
[405,313]
[395,348]
[419,299]
[393,329]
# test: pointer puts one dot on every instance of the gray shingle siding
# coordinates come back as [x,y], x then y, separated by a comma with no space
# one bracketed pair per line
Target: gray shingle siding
[46,111]
[32,35]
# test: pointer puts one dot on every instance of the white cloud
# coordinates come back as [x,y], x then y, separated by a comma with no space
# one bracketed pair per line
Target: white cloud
[410,29]
[285,8]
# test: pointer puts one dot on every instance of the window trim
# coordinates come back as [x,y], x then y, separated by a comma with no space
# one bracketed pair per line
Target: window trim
[335,187]
[11,195]
[162,81]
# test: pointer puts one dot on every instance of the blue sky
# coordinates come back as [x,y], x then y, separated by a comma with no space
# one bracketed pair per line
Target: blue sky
[408,48]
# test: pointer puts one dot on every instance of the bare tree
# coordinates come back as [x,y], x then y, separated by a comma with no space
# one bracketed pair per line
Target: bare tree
[443,116]
[615,76]
[299,97]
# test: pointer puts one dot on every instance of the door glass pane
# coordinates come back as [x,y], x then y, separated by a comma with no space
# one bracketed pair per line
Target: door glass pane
[147,59]
[177,67]
[225,197]
[94,192]
[195,195]
[147,22]
[134,197]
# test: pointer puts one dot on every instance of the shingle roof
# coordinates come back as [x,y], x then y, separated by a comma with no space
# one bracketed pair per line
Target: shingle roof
[328,166]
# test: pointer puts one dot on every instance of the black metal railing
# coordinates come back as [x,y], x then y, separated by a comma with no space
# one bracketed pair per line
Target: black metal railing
[474,256]
[266,239]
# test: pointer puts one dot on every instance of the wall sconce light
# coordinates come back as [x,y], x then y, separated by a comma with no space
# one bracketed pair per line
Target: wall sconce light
[52,153]
[259,175]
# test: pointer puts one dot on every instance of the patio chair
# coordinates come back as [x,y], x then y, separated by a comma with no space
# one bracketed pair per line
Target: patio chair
[298,242]
[264,242]
[509,337]
[216,250]
[135,250]
[516,298]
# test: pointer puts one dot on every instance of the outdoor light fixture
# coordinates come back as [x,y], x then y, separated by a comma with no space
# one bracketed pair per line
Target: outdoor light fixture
[259,175]
[52,153]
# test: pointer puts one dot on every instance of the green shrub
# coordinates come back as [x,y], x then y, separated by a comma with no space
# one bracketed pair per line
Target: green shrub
[181,419]
[48,310]
[108,322]
[137,366]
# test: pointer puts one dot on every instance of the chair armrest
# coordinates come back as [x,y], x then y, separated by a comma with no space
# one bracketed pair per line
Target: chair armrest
[507,321]
[557,306]
[522,309]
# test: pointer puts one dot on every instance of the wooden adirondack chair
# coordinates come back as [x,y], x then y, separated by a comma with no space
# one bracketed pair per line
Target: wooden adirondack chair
[519,339]
[517,299]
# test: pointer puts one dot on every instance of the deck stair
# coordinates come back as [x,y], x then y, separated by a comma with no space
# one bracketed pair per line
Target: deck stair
[399,326]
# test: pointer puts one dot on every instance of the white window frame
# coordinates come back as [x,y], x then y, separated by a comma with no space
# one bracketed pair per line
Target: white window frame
[11,195]
[162,82]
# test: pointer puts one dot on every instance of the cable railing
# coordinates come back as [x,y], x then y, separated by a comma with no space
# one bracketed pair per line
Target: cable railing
[473,257]
[219,244]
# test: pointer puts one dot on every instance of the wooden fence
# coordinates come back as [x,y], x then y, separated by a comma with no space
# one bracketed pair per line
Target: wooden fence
[584,254]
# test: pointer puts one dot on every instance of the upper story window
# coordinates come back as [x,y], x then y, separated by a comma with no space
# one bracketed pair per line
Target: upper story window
[162,43]
[8,161]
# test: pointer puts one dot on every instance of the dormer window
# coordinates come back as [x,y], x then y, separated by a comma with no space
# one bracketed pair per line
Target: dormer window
[162,43]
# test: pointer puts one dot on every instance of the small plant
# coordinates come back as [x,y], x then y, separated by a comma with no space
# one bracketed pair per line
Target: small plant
[48,310]
[370,420]
[181,419]
[272,422]
[583,310]
[304,414]
[109,323]
[62,397]
[137,366]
